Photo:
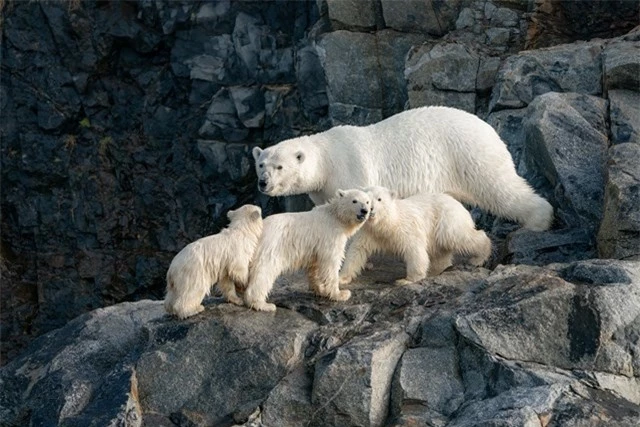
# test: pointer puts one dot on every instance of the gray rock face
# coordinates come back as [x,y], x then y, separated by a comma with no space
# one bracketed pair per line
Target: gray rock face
[622,65]
[619,234]
[566,139]
[624,108]
[379,56]
[467,348]
[431,16]
[442,71]
[571,68]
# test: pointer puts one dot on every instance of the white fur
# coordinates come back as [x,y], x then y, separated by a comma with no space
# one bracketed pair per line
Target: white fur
[222,258]
[424,150]
[426,230]
[313,240]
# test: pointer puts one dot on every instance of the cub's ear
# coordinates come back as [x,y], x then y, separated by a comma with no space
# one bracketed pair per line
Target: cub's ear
[256,215]
[300,156]
[256,153]
[393,194]
[230,215]
[340,193]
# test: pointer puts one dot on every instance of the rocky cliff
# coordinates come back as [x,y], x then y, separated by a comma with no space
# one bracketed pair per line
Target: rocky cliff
[126,132]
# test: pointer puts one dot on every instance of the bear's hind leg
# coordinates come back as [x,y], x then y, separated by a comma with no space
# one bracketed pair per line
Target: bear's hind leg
[417,260]
[228,289]
[440,262]
[358,253]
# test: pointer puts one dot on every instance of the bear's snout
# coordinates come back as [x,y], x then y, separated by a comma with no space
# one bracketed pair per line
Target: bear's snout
[363,214]
[262,184]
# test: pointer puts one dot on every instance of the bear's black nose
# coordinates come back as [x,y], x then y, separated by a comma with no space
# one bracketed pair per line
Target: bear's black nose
[262,183]
[363,211]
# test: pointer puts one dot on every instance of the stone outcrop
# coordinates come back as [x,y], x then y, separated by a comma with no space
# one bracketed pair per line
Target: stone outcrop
[518,344]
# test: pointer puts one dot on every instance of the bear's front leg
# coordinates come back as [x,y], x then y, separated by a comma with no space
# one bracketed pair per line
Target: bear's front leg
[261,280]
[329,278]
[358,253]
[417,260]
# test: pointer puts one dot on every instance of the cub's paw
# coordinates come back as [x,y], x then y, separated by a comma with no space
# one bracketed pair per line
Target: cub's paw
[234,299]
[263,306]
[341,296]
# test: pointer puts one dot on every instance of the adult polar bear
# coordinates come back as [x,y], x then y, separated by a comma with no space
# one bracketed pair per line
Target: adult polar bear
[428,149]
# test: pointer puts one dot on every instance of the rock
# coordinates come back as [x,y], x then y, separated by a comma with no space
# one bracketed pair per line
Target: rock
[380,57]
[212,388]
[511,346]
[429,377]
[567,68]
[466,19]
[249,103]
[353,13]
[554,23]
[504,17]
[566,140]
[624,109]
[431,17]
[619,234]
[622,65]
[442,74]
[529,247]
[353,385]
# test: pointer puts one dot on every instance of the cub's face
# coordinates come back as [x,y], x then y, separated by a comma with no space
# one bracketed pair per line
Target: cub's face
[355,203]
[279,170]
[381,198]
[245,213]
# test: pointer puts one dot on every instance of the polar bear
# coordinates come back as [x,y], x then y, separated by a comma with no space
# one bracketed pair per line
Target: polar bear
[222,258]
[313,240]
[426,230]
[424,150]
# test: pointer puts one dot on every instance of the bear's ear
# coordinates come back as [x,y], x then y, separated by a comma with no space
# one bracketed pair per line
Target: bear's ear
[393,194]
[256,215]
[230,215]
[256,153]
[300,156]
[340,193]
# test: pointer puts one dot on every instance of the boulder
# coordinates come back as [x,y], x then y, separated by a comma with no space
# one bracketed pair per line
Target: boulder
[566,140]
[431,16]
[624,110]
[619,234]
[622,65]
[442,74]
[567,68]
[352,13]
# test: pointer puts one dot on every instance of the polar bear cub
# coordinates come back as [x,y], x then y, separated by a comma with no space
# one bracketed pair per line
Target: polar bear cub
[313,240]
[221,258]
[426,230]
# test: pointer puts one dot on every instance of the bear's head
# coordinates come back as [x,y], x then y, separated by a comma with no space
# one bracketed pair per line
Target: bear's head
[282,169]
[381,203]
[245,214]
[351,206]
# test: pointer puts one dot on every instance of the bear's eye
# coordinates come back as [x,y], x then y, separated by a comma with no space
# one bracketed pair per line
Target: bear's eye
[279,167]
[380,199]
[355,201]
[367,202]
[261,165]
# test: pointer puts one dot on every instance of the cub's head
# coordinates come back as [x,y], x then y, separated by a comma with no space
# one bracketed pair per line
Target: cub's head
[381,202]
[281,169]
[352,205]
[245,213]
